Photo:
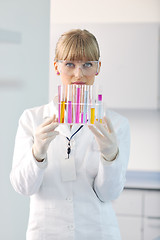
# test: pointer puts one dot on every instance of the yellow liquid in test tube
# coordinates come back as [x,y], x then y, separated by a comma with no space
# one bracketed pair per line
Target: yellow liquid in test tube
[92,115]
[62,111]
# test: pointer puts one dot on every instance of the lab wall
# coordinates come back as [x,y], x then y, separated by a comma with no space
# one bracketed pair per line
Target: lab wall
[105,11]
[24,54]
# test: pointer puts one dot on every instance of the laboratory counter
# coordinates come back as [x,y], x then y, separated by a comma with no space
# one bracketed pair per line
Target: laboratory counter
[147,180]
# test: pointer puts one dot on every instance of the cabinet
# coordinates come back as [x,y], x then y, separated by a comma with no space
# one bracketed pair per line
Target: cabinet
[152,215]
[130,227]
[128,208]
[151,229]
[138,214]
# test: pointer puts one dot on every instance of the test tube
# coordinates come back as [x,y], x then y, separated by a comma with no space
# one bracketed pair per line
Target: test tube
[62,112]
[69,101]
[91,105]
[86,95]
[73,103]
[82,103]
[92,116]
[78,94]
[100,108]
[59,103]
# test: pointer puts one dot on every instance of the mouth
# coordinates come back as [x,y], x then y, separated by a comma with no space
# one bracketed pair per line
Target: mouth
[79,83]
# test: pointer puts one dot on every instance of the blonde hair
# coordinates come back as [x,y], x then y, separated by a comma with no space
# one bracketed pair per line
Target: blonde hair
[77,44]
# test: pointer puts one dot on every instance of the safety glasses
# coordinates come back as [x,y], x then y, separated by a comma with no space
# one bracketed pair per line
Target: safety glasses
[88,68]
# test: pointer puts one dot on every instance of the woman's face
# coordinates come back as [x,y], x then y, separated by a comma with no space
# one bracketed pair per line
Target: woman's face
[77,72]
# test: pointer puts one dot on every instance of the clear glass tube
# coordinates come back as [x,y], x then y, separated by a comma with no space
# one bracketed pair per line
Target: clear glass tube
[78,97]
[69,104]
[100,108]
[63,95]
[59,103]
[86,95]
[82,103]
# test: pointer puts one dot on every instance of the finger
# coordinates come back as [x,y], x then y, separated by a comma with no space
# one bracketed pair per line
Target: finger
[109,124]
[102,129]
[55,119]
[94,131]
[47,122]
[49,135]
[50,120]
[51,127]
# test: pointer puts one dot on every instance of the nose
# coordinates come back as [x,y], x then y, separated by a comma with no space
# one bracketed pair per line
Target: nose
[78,73]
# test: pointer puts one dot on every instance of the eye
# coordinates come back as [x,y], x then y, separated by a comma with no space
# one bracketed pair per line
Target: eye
[87,65]
[70,65]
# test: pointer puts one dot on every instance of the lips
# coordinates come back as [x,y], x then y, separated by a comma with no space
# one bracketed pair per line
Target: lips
[79,83]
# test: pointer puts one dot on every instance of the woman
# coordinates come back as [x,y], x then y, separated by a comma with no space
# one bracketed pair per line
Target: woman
[71,193]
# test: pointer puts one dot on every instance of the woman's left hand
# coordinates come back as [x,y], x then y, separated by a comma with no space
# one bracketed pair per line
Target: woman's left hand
[106,138]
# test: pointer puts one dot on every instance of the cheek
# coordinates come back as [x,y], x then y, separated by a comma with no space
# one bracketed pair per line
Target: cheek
[65,79]
[90,80]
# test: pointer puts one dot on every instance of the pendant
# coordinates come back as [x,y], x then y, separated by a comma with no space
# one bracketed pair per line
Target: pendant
[69,149]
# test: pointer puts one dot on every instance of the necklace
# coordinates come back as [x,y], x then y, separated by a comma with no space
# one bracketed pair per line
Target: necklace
[69,139]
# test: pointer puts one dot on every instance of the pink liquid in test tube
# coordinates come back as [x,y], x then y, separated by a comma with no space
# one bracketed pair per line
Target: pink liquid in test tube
[82,117]
[78,104]
[69,104]
[69,111]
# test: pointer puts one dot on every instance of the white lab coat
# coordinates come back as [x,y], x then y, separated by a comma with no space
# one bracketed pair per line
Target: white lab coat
[78,208]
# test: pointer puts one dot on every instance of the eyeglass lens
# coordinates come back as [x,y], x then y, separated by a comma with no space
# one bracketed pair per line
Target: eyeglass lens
[87,68]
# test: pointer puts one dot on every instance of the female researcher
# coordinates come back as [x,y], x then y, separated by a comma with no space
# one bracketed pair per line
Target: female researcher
[70,198]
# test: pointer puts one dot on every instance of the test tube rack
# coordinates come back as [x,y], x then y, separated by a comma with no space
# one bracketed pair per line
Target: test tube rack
[77,104]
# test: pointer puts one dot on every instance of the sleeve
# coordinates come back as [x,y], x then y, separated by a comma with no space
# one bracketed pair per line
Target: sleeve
[27,174]
[110,179]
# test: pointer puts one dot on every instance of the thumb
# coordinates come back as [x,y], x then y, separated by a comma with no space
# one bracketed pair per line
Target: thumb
[94,131]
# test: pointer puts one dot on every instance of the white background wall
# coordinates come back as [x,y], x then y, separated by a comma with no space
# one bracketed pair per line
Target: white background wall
[24,64]
[105,11]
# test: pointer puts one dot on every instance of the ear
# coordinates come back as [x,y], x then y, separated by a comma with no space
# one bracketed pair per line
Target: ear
[56,68]
[98,71]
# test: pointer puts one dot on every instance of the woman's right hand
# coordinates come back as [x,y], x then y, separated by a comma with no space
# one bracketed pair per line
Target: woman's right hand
[44,134]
